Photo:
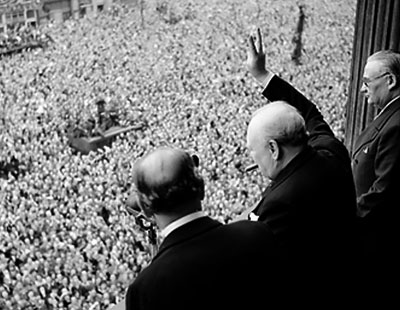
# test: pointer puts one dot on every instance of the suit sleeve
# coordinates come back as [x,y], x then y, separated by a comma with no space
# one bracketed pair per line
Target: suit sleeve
[321,135]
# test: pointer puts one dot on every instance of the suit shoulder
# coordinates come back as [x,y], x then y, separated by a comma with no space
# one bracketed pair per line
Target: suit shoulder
[250,227]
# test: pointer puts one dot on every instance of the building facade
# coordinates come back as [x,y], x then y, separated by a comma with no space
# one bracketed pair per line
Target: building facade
[17,13]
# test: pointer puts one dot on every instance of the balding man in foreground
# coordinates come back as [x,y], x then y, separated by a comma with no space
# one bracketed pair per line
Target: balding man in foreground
[201,263]
[309,202]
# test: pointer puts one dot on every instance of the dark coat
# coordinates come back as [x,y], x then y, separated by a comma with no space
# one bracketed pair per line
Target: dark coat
[311,205]
[376,168]
[207,265]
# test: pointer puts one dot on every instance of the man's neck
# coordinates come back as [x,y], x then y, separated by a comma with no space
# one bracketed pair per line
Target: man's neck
[164,219]
[180,222]
[393,98]
[292,152]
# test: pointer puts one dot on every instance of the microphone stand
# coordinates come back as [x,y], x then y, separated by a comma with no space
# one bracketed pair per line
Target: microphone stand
[150,230]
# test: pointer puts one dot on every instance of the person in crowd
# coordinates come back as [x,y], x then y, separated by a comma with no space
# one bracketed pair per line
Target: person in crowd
[101,115]
[309,202]
[105,119]
[201,263]
[376,162]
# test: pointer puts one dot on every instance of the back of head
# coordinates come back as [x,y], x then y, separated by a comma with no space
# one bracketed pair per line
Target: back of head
[279,121]
[167,179]
[100,102]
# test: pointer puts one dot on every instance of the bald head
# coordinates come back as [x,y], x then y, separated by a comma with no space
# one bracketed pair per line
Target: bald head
[166,178]
[164,167]
[280,121]
[275,135]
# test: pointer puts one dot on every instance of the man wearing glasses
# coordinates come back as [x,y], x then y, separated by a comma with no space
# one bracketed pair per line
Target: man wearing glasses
[376,161]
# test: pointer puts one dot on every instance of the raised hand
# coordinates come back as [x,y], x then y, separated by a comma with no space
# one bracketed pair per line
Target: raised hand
[256,58]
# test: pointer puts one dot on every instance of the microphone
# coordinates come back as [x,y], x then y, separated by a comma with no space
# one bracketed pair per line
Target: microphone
[251,168]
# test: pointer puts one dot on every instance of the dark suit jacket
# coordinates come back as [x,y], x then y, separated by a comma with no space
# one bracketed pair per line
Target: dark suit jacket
[376,167]
[207,265]
[311,205]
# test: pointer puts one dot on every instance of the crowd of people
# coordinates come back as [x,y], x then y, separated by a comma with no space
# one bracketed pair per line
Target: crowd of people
[66,241]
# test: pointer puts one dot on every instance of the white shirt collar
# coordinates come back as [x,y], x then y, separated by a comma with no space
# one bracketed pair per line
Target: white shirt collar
[386,106]
[180,222]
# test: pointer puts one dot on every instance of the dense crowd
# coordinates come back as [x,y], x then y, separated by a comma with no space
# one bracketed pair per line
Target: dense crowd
[66,241]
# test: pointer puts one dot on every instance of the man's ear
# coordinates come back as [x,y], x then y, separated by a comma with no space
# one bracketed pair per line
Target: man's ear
[274,148]
[393,81]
